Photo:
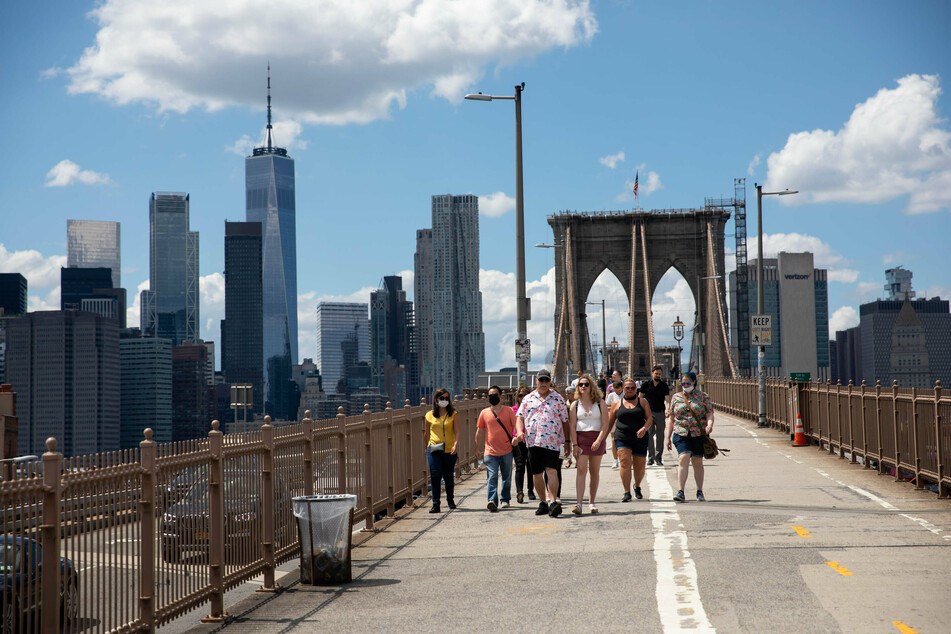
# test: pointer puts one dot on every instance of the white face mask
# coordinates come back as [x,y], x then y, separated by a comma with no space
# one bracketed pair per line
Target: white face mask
[443,403]
[688,389]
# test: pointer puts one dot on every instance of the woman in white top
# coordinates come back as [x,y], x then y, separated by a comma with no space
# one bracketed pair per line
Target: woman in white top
[588,420]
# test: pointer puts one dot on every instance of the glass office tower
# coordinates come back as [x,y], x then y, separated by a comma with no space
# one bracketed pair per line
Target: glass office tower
[270,200]
[173,270]
[94,244]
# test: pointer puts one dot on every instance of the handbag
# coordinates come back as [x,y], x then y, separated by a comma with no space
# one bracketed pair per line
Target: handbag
[439,447]
[710,449]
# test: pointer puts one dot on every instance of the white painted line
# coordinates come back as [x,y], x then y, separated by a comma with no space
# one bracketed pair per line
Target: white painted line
[927,525]
[678,594]
[872,497]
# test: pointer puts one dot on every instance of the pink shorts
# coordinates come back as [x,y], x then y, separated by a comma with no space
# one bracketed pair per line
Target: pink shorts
[585,438]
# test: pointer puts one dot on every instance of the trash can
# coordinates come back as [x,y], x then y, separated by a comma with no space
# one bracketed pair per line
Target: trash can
[325,525]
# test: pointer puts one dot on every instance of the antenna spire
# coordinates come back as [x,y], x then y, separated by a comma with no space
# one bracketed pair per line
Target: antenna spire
[269,107]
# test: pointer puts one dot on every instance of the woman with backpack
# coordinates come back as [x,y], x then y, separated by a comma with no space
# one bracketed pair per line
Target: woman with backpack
[689,418]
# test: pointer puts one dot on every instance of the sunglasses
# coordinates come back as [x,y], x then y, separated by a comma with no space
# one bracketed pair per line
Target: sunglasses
[543,380]
[584,384]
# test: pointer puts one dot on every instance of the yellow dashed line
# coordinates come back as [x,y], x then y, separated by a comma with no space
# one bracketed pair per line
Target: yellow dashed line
[839,569]
[904,629]
[802,532]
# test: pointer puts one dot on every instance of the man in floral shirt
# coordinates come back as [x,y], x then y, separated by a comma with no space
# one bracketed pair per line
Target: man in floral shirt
[543,419]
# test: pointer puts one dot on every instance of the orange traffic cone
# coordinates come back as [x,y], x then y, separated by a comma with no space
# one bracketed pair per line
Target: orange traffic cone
[800,439]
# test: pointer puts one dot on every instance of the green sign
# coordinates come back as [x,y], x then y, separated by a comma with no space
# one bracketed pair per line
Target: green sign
[803,377]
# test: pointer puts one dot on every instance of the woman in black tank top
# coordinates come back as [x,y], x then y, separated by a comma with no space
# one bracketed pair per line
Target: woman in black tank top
[630,421]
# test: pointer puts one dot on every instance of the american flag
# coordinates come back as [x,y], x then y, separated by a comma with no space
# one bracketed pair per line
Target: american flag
[636,176]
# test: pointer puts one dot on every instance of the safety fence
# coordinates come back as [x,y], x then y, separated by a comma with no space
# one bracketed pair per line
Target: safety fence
[128,541]
[904,432]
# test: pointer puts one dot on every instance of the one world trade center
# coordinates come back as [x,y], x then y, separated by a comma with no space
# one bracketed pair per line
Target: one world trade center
[270,200]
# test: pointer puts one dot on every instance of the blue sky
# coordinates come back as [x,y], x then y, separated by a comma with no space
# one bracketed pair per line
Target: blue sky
[845,101]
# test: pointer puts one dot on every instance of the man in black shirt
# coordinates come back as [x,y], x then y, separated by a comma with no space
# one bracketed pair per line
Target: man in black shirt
[657,393]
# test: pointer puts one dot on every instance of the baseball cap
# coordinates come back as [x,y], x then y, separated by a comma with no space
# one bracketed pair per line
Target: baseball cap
[543,374]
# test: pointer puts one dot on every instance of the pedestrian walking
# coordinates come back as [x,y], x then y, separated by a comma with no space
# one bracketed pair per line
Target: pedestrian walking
[520,452]
[657,393]
[631,421]
[566,458]
[613,397]
[496,425]
[588,423]
[689,417]
[602,383]
[442,430]
[543,418]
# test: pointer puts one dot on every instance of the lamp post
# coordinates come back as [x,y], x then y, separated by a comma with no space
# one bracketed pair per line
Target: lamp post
[614,354]
[521,302]
[678,337]
[701,340]
[761,355]
[604,337]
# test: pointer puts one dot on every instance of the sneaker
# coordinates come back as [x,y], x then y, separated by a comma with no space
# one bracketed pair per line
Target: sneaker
[638,494]
[555,509]
[616,465]
[531,497]
[627,497]
[505,505]
[659,462]
[452,504]
[520,497]
[435,509]
[650,462]
[592,509]
[700,497]
[576,509]
[542,508]
[492,507]
[680,497]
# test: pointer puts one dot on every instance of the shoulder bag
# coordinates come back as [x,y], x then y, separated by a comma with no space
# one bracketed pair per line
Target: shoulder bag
[440,447]
[710,449]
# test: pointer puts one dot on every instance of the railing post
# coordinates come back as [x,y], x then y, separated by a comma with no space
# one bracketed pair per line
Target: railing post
[216,521]
[864,428]
[838,416]
[309,474]
[878,424]
[49,537]
[895,423]
[943,489]
[390,463]
[267,510]
[411,451]
[424,468]
[914,436]
[341,451]
[368,464]
[851,427]
[147,451]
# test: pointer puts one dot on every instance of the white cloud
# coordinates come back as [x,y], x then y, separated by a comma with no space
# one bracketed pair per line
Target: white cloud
[752,166]
[944,292]
[339,62]
[40,271]
[51,72]
[285,134]
[894,144]
[867,291]
[611,160]
[211,305]
[496,205]
[843,318]
[68,173]
[133,313]
[50,302]
[824,256]
[893,258]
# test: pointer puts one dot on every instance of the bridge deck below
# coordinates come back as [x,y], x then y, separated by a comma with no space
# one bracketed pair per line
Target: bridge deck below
[790,539]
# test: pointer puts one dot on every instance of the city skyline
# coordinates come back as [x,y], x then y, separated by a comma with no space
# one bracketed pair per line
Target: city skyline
[584,138]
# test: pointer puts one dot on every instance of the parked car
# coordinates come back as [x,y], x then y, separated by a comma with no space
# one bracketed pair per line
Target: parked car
[186,524]
[21,576]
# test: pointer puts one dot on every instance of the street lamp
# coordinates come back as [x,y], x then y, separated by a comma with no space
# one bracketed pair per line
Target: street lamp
[604,336]
[521,302]
[614,354]
[678,337]
[761,355]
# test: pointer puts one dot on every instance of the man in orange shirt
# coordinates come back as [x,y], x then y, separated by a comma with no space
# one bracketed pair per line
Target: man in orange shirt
[497,425]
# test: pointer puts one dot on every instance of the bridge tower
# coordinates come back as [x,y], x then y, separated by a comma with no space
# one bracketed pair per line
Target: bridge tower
[639,247]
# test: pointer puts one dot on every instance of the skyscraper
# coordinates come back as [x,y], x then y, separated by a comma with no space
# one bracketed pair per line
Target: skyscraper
[423,297]
[192,396]
[898,284]
[391,339]
[905,340]
[270,201]
[173,270]
[13,293]
[146,364]
[242,330]
[77,284]
[459,343]
[94,244]
[342,338]
[64,367]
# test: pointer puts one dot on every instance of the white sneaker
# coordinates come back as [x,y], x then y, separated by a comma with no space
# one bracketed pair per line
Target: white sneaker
[616,465]
[505,505]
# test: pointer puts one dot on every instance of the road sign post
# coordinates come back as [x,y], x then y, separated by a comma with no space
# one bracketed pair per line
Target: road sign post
[761,330]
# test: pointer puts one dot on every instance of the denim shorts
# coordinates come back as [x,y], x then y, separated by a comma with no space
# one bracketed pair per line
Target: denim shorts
[688,444]
[638,446]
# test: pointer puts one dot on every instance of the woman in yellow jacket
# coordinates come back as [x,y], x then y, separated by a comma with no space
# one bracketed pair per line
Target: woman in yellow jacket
[442,430]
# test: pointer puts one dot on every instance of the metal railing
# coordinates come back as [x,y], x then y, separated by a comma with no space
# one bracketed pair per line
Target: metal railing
[904,432]
[129,540]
